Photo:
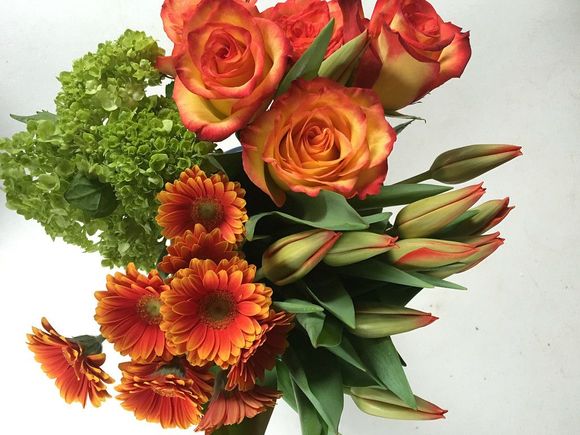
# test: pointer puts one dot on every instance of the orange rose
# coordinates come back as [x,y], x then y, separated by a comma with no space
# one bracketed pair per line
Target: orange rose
[228,63]
[416,51]
[319,136]
[302,21]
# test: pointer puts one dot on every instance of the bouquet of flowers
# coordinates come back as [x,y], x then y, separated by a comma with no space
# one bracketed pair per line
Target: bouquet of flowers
[278,269]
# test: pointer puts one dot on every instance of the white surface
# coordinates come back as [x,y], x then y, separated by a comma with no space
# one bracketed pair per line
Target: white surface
[503,358]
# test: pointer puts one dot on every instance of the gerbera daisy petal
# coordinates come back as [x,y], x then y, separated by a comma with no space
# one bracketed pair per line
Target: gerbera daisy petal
[202,201]
[204,315]
[129,314]
[76,371]
[231,407]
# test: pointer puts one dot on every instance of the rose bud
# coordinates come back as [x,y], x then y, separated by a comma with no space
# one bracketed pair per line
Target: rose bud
[489,214]
[427,216]
[415,52]
[357,246]
[228,63]
[463,164]
[382,403]
[429,254]
[303,20]
[294,256]
[377,321]
[319,136]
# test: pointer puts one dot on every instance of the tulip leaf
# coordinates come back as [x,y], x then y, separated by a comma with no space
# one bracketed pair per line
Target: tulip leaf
[285,384]
[323,330]
[90,195]
[328,210]
[395,114]
[328,291]
[309,63]
[377,217]
[346,352]
[399,128]
[298,306]
[256,425]
[376,270]
[398,194]
[310,419]
[340,65]
[229,162]
[382,359]
[437,282]
[316,374]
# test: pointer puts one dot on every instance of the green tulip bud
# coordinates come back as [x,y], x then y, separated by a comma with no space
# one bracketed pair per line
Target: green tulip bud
[377,321]
[294,256]
[383,403]
[463,164]
[486,216]
[357,246]
[427,216]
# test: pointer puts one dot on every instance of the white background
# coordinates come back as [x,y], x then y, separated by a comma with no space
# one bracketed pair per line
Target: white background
[503,358]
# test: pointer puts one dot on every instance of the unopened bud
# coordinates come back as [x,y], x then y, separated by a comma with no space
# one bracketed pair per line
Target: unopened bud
[356,246]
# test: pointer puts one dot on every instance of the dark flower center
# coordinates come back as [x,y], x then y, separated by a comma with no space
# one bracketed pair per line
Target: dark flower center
[218,309]
[149,309]
[208,212]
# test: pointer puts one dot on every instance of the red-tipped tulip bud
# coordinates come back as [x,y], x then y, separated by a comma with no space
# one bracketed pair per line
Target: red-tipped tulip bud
[464,164]
[487,216]
[429,254]
[292,257]
[376,321]
[357,246]
[382,403]
[427,216]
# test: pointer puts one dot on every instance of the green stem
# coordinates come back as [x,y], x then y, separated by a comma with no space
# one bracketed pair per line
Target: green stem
[417,178]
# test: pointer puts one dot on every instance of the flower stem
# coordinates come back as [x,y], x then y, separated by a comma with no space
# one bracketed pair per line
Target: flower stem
[417,178]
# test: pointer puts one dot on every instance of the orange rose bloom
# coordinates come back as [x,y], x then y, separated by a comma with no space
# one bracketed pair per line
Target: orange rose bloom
[319,136]
[228,62]
[212,311]
[76,369]
[302,21]
[169,393]
[416,51]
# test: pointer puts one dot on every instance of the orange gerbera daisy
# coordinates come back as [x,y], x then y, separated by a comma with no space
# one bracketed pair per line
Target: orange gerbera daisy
[128,312]
[169,393]
[212,311]
[196,244]
[75,363]
[214,202]
[261,356]
[231,407]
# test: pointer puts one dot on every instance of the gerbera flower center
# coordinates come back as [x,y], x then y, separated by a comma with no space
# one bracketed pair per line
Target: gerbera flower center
[149,309]
[217,309]
[208,212]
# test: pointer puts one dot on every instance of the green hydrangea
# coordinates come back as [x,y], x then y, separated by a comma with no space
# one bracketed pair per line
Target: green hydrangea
[107,129]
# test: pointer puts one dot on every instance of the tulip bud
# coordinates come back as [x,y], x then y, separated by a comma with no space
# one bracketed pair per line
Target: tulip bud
[429,254]
[487,216]
[427,216]
[294,256]
[357,246]
[377,321]
[463,164]
[383,403]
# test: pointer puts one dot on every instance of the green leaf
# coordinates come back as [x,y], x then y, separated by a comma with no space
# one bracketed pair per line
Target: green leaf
[340,65]
[310,420]
[298,306]
[437,282]
[347,352]
[42,115]
[376,270]
[323,331]
[169,89]
[377,217]
[399,128]
[328,291]
[89,194]
[328,210]
[254,426]
[316,374]
[382,359]
[398,194]
[229,162]
[285,384]
[309,63]
[395,114]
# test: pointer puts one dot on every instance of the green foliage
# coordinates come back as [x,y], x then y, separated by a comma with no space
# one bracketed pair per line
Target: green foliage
[107,129]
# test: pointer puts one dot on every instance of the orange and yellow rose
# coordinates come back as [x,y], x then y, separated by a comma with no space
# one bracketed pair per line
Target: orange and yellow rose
[228,62]
[302,21]
[414,51]
[319,136]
